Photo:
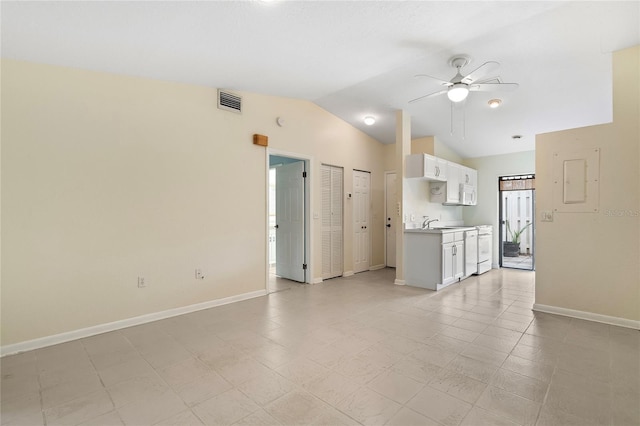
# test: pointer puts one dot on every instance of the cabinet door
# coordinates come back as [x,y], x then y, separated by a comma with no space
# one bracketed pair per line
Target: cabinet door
[458,260]
[468,176]
[435,168]
[453,183]
[447,263]
[440,169]
[425,166]
[473,181]
[473,177]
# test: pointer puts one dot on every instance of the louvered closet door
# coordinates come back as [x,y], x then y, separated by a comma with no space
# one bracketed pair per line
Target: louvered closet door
[332,251]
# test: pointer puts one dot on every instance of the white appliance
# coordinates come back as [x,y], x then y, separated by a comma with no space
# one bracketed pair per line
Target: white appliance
[467,195]
[470,252]
[485,248]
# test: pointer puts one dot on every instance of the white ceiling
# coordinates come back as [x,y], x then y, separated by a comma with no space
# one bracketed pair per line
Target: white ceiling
[355,58]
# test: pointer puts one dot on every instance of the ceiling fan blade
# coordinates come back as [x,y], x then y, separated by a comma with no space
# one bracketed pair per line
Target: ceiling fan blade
[430,95]
[493,87]
[444,83]
[481,71]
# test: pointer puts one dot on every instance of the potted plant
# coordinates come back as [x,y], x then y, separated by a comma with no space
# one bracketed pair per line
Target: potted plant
[512,248]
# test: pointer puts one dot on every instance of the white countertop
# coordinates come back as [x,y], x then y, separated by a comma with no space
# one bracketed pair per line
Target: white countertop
[440,230]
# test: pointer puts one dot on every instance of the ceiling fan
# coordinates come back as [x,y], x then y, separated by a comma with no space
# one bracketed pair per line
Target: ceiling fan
[458,88]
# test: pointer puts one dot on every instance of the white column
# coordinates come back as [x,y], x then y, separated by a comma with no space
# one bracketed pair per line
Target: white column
[403,148]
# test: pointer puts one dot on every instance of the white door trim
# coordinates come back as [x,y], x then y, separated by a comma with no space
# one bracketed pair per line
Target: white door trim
[309,167]
[387,213]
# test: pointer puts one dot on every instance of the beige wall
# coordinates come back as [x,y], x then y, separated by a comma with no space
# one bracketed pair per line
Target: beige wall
[441,150]
[590,262]
[425,145]
[489,169]
[389,154]
[106,178]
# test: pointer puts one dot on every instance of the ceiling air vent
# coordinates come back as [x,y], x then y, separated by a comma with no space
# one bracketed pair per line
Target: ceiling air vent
[229,101]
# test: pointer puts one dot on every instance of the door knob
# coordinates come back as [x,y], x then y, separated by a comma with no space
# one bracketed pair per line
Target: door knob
[388,225]
[276,226]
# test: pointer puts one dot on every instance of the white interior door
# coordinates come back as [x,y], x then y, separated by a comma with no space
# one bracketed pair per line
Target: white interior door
[290,221]
[361,222]
[391,219]
[332,216]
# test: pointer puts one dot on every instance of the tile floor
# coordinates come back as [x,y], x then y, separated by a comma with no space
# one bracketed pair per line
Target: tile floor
[350,351]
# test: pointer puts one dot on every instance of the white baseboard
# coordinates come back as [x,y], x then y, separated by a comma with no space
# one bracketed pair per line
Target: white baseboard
[589,316]
[376,267]
[399,282]
[118,325]
[347,273]
[316,281]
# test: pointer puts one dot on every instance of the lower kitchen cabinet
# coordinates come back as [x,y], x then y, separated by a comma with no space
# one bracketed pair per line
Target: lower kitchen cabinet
[434,259]
[452,261]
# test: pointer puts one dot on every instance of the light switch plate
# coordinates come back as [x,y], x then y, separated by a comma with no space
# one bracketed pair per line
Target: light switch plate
[547,216]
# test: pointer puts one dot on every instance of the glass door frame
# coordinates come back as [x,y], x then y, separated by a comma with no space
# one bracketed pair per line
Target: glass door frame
[501,220]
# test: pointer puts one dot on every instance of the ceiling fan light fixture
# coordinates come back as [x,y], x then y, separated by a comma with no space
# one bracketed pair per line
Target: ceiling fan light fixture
[458,92]
[495,103]
[369,120]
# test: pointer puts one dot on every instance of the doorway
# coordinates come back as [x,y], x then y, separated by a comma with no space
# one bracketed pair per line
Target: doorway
[517,224]
[287,222]
[361,220]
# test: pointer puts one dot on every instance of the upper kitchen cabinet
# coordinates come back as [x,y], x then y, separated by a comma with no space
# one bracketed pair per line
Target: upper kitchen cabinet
[468,176]
[427,167]
[468,180]
[447,192]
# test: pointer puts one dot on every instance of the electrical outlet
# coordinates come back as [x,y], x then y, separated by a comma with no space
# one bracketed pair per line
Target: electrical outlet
[141,282]
[199,274]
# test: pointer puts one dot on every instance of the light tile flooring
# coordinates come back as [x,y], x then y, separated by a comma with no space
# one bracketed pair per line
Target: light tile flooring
[350,351]
[279,284]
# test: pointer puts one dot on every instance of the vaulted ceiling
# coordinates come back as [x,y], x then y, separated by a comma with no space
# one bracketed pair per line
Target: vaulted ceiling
[355,58]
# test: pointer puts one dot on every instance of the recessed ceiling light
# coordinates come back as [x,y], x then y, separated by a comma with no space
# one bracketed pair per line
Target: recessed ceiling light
[369,120]
[495,103]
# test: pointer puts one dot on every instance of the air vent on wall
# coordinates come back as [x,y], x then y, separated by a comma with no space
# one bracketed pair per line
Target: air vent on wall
[229,101]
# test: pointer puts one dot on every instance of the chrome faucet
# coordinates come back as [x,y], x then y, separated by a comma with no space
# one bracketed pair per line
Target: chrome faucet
[427,223]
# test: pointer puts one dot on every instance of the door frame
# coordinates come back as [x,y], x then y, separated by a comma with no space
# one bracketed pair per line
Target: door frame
[308,206]
[386,213]
[501,235]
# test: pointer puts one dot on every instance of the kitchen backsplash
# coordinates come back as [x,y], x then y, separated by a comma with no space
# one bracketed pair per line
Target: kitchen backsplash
[417,205]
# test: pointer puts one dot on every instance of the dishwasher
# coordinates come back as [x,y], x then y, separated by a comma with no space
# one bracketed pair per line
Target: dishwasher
[485,242]
[470,252]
